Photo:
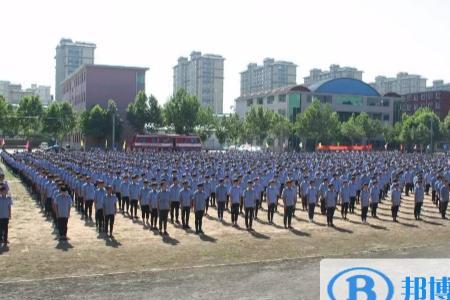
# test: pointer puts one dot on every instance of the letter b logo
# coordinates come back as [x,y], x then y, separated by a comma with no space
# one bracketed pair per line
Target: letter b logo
[359,285]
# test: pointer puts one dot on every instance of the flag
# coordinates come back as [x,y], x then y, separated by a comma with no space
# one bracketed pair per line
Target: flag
[415,147]
[401,147]
[124,147]
[106,144]
[82,143]
[27,146]
[385,146]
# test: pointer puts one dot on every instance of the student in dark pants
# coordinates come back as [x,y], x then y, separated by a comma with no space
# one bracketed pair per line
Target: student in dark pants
[200,199]
[364,200]
[395,199]
[419,194]
[63,205]
[330,202]
[5,214]
[289,196]
[110,210]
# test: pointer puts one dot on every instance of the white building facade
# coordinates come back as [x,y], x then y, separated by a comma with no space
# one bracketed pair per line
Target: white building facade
[336,71]
[403,84]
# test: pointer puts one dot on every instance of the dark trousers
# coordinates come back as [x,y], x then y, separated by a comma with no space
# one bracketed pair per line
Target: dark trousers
[234,212]
[394,210]
[304,202]
[330,215]
[241,205]
[99,218]
[109,222]
[4,223]
[352,204]
[62,226]
[185,211]
[145,209]
[311,208]
[417,209]
[288,215]
[373,209]
[344,209]
[198,220]
[119,200]
[125,203]
[174,210]
[427,188]
[220,209]
[364,211]
[163,216]
[48,206]
[213,199]
[323,208]
[433,196]
[154,217]
[207,204]
[270,212]
[88,208]
[134,205]
[249,211]
[443,208]
[258,203]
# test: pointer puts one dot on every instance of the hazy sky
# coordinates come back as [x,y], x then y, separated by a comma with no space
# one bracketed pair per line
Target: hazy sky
[380,37]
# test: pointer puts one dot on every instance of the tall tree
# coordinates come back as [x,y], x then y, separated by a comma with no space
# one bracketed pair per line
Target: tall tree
[318,123]
[234,126]
[155,114]
[220,126]
[281,129]
[12,124]
[258,122]
[4,120]
[30,114]
[181,112]
[352,130]
[205,123]
[138,112]
[59,120]
[93,123]
[372,128]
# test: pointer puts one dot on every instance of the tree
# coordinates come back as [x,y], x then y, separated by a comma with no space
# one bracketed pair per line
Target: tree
[110,112]
[12,125]
[421,127]
[180,112]
[155,114]
[318,123]
[234,127]
[4,120]
[59,120]
[138,113]
[30,114]
[372,127]
[352,130]
[258,122]
[205,123]
[93,123]
[220,126]
[281,129]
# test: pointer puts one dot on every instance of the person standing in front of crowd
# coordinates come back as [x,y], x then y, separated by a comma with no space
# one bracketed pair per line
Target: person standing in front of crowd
[63,205]
[221,195]
[163,207]
[353,193]
[174,201]
[88,196]
[125,194]
[322,191]
[135,188]
[289,198]
[419,194]
[235,197]
[312,197]
[6,203]
[116,188]
[330,202]
[374,198]
[144,202]
[396,196]
[364,200]
[303,192]
[272,199]
[443,198]
[200,200]
[249,204]
[110,210]
[99,199]
[344,197]
[154,206]
[185,198]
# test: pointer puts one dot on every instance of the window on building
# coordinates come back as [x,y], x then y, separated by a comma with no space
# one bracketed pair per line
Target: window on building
[260,101]
[270,99]
[282,98]
[385,102]
[282,112]
[437,104]
[348,100]
[373,101]
[249,102]
[385,117]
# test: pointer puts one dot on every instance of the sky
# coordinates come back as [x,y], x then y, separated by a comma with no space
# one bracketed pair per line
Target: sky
[380,37]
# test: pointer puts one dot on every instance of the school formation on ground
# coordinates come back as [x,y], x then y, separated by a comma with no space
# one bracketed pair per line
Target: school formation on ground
[167,186]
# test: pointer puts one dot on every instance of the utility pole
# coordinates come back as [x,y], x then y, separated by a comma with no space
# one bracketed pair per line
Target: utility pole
[113,131]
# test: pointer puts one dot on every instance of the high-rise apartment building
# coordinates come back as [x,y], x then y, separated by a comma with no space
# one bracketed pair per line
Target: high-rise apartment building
[439,85]
[13,93]
[271,75]
[69,56]
[202,76]
[336,71]
[403,84]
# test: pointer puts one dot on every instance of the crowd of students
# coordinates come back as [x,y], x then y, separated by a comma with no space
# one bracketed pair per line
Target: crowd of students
[165,185]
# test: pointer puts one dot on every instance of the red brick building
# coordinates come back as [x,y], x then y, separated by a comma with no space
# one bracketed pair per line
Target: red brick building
[438,101]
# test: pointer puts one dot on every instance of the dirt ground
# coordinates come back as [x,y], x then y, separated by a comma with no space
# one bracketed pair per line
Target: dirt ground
[34,253]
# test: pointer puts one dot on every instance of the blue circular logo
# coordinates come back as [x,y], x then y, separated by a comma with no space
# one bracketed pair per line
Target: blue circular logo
[358,281]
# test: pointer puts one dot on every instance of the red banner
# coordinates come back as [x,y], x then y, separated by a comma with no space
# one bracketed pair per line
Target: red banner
[344,148]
